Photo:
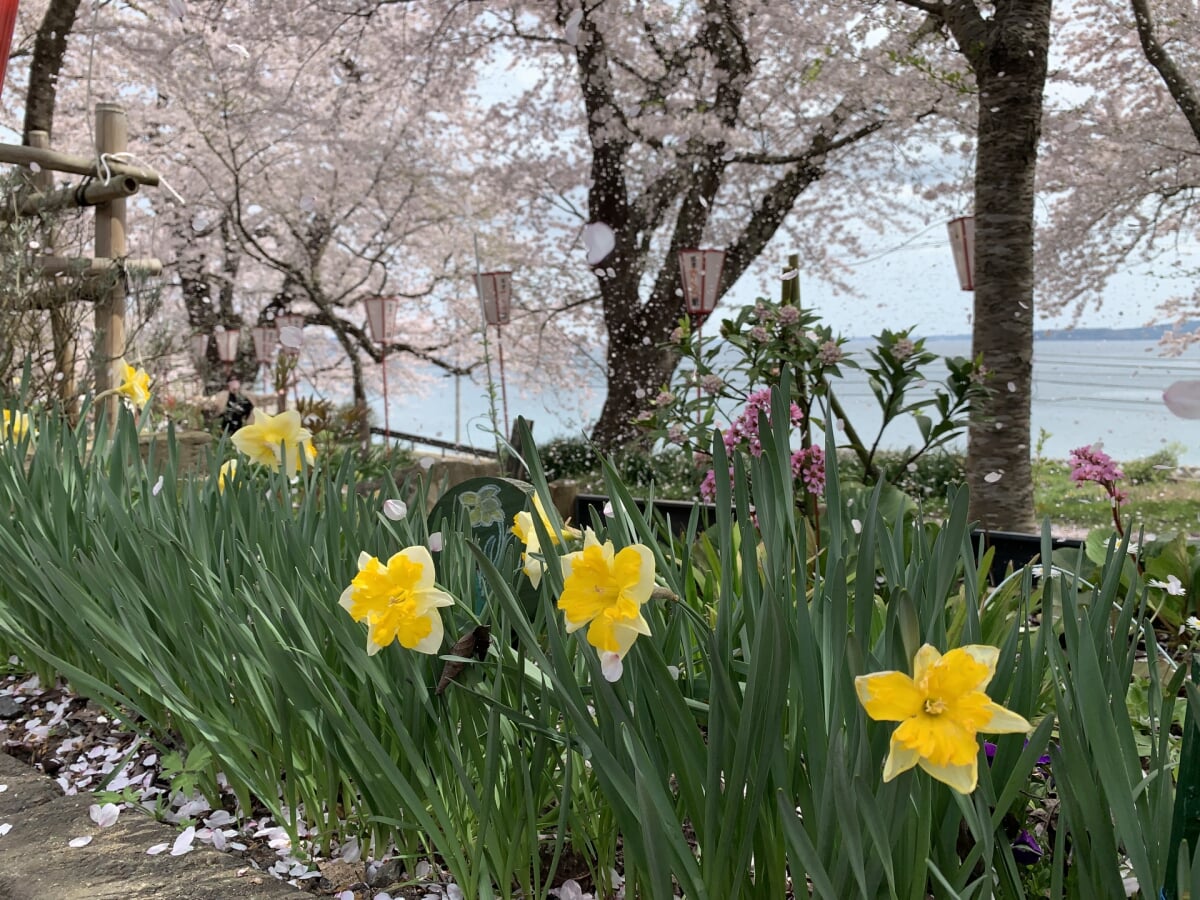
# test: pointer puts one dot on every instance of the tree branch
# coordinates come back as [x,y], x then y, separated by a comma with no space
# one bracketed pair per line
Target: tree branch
[1181,88]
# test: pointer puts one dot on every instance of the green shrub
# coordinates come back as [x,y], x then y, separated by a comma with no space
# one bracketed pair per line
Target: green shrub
[568,458]
[1158,466]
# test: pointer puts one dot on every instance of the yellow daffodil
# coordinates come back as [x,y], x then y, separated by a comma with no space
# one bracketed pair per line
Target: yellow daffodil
[262,439]
[607,590]
[228,472]
[524,529]
[135,384]
[940,709]
[398,601]
[16,425]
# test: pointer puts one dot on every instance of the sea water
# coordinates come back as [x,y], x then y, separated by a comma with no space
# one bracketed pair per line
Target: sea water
[1084,392]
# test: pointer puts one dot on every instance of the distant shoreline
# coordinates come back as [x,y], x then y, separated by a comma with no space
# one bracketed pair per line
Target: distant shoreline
[1146,333]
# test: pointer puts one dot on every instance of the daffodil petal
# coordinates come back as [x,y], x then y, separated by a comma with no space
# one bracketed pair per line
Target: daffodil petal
[889,696]
[899,760]
[962,778]
[926,657]
[1005,721]
[641,557]
[617,636]
[984,655]
[432,642]
[533,569]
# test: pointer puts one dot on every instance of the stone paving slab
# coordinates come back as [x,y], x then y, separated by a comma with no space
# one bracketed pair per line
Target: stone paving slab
[36,862]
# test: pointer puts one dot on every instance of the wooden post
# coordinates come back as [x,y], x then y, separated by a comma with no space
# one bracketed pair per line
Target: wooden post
[112,130]
[61,328]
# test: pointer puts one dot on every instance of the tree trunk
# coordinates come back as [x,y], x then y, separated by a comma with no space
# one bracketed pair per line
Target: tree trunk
[1010,71]
[49,48]
[635,370]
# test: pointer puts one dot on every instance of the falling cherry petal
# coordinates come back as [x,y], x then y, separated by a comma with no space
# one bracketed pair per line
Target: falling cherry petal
[571,29]
[80,841]
[158,486]
[395,509]
[789,274]
[599,240]
[993,477]
[1183,399]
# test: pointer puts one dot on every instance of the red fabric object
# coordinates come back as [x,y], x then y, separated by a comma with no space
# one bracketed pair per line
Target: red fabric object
[8,22]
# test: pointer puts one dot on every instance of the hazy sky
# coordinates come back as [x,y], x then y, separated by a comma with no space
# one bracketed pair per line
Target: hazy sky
[911,280]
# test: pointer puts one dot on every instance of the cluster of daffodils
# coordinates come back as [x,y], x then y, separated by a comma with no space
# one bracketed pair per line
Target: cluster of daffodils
[941,709]
[603,589]
[277,442]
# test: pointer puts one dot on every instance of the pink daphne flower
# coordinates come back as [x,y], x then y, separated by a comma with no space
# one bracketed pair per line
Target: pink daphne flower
[744,430]
[808,465]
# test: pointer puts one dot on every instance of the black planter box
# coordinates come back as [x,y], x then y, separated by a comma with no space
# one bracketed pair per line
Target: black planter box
[1011,547]
[1016,548]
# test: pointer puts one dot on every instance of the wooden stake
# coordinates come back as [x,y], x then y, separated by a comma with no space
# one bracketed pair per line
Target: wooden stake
[112,136]
[62,330]
[76,165]
[91,194]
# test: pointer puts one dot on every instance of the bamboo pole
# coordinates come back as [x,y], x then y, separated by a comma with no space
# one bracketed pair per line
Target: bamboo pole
[91,194]
[89,267]
[62,331]
[112,136]
[76,165]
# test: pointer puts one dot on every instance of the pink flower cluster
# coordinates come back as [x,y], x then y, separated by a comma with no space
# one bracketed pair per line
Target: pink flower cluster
[1091,464]
[808,466]
[744,429]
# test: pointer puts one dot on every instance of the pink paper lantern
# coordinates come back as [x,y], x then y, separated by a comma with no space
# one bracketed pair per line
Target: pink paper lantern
[266,342]
[495,291]
[701,274]
[381,317]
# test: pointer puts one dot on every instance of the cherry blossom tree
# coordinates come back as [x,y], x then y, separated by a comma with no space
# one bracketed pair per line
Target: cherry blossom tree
[322,154]
[717,123]
[1122,160]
